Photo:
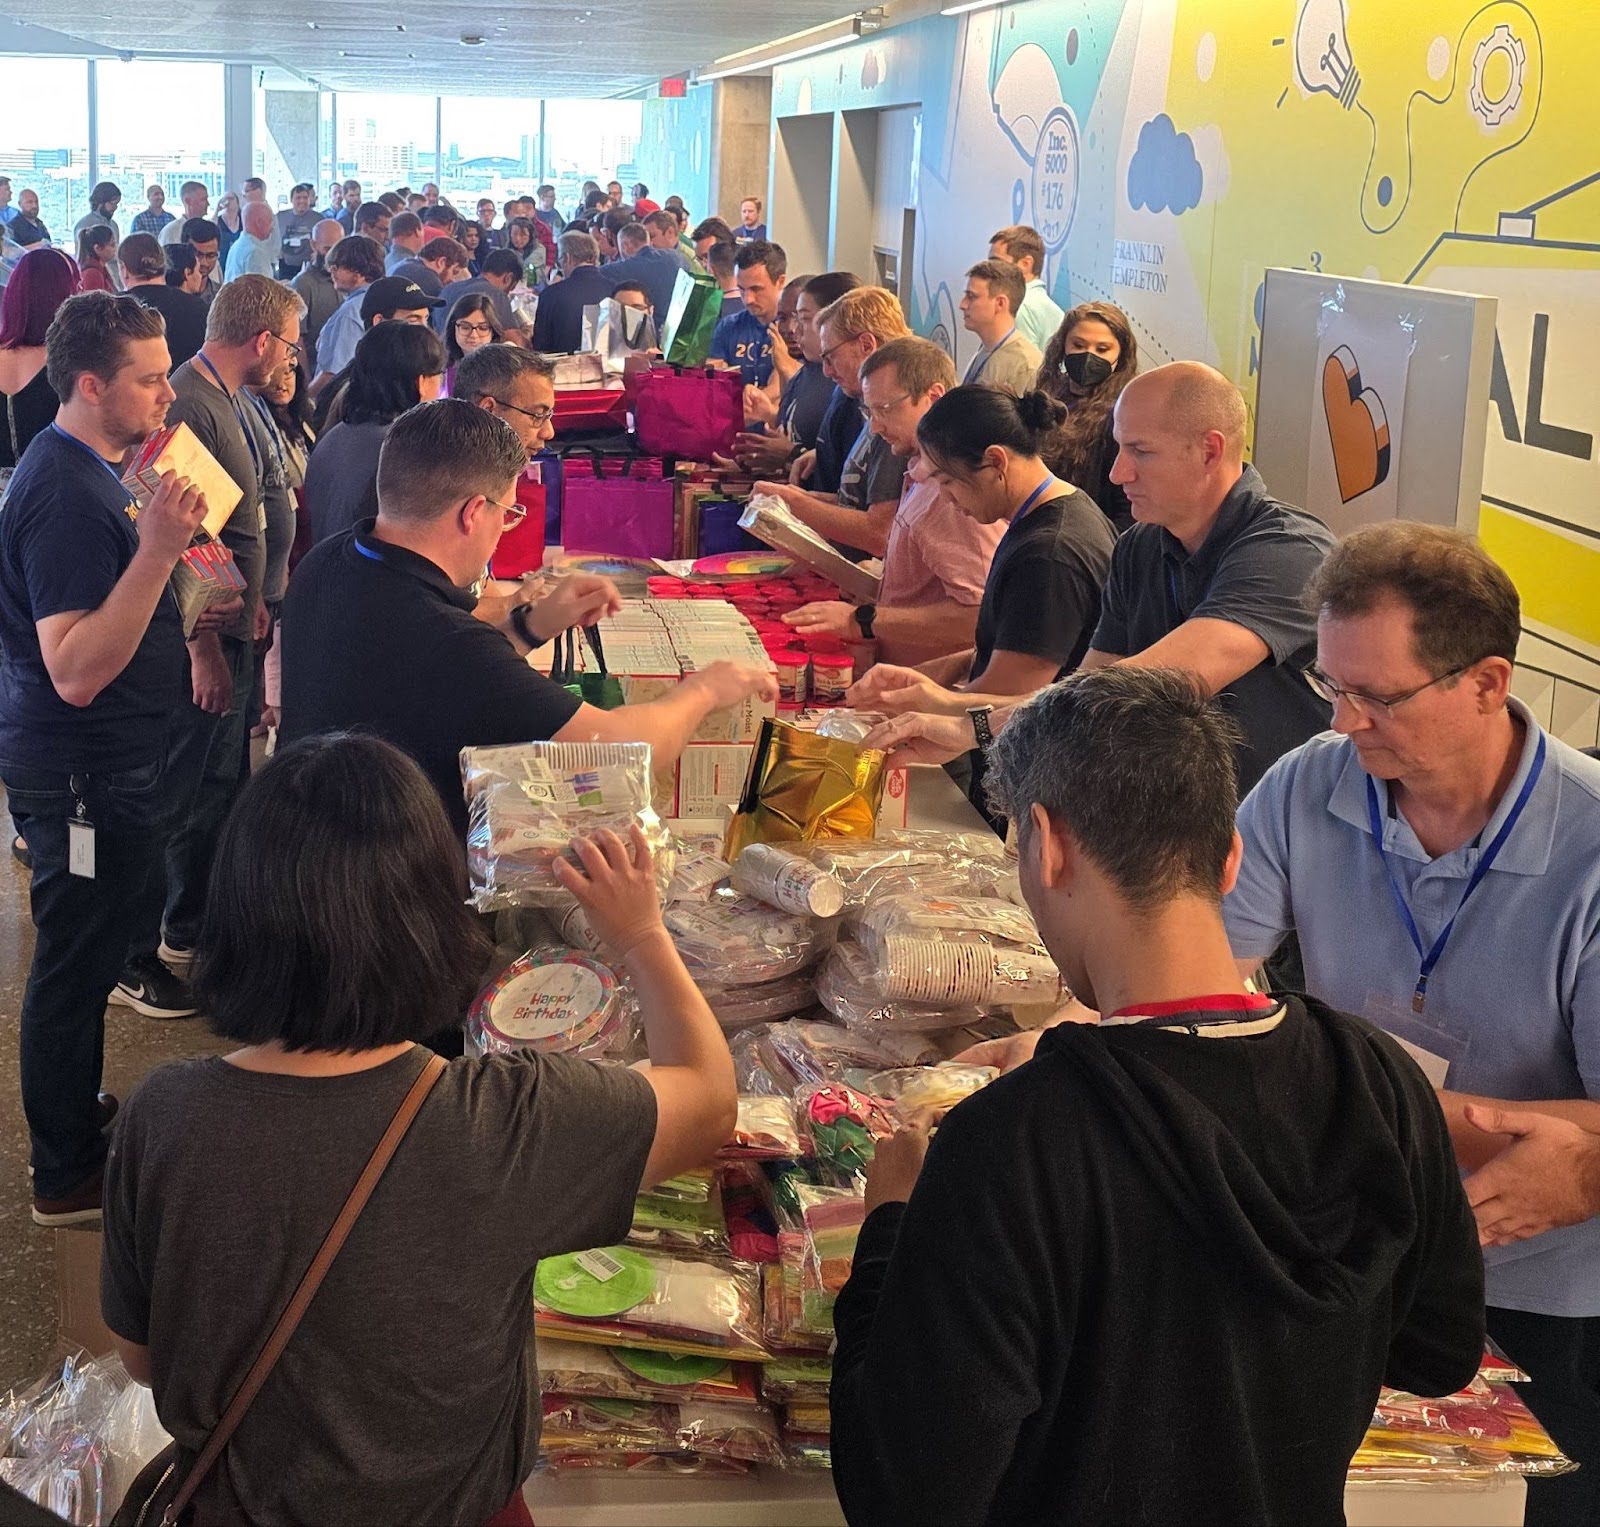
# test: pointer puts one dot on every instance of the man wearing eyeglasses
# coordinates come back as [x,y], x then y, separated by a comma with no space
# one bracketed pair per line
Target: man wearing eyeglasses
[1440,860]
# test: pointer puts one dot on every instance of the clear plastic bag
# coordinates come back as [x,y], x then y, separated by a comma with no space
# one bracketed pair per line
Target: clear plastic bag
[797,1380]
[833,1219]
[580,1460]
[786,1322]
[628,1296]
[778,1059]
[937,973]
[737,1007]
[626,1426]
[730,940]
[845,1126]
[1481,1430]
[768,1129]
[950,919]
[556,1001]
[672,1224]
[632,1373]
[748,1433]
[922,1095]
[526,802]
[850,987]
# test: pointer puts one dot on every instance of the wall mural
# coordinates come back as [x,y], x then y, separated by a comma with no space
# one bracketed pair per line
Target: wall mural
[1170,150]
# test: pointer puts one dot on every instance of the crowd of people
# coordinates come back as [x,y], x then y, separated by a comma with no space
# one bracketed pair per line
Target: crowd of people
[1323,888]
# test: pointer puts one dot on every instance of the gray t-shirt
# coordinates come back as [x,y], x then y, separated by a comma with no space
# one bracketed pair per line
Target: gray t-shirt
[872,474]
[1012,366]
[342,478]
[405,1395]
[221,423]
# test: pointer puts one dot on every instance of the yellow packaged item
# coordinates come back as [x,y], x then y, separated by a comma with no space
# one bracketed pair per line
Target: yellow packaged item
[802,787]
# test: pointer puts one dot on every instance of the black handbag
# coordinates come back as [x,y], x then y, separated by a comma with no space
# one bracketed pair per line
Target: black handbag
[162,1493]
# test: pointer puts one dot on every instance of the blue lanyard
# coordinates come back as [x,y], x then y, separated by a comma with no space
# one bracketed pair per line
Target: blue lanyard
[1430,958]
[93,455]
[983,364]
[238,414]
[1032,499]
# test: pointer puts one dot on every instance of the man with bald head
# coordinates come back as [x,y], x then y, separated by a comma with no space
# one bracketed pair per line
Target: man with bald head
[315,286]
[254,252]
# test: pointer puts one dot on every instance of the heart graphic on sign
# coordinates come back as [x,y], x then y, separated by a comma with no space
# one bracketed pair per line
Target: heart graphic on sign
[1358,427]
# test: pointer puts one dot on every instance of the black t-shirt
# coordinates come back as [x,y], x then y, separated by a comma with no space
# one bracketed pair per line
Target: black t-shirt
[379,639]
[1252,569]
[805,403]
[839,430]
[342,477]
[1042,595]
[407,1395]
[185,314]
[1176,1266]
[65,540]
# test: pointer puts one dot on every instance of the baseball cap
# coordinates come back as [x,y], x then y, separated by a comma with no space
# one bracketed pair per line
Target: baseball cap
[394,294]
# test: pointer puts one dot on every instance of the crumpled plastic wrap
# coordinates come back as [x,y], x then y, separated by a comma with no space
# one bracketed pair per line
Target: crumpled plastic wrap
[627,1426]
[76,1439]
[527,801]
[845,1126]
[555,1001]
[776,1059]
[1481,1430]
[922,1095]
[768,1129]
[748,1433]
[850,987]
[730,940]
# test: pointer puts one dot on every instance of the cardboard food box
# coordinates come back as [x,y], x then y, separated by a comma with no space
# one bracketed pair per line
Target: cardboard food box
[176,448]
[78,1292]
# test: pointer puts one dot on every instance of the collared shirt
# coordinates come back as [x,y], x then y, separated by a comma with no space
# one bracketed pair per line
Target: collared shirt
[1011,366]
[315,288]
[149,221]
[1252,570]
[935,554]
[1039,316]
[387,643]
[1516,994]
[251,256]
[336,345]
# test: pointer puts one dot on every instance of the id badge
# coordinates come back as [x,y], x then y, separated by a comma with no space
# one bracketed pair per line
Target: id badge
[80,848]
[1433,1048]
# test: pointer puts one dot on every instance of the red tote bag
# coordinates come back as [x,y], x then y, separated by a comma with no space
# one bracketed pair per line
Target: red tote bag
[622,507]
[693,415]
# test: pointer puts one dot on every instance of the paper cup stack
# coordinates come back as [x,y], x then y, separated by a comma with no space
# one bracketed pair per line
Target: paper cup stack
[960,975]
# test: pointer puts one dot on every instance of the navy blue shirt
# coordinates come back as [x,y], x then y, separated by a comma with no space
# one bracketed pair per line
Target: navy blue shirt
[654,269]
[558,322]
[742,340]
[66,537]
[839,430]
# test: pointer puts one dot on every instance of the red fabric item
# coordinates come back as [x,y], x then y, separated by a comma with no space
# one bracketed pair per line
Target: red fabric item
[1222,1002]
[542,231]
[644,207]
[514,1513]
[521,549]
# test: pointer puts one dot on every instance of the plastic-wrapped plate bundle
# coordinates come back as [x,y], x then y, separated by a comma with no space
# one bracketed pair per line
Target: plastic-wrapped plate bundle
[768,1129]
[733,941]
[624,1426]
[555,1001]
[953,919]
[776,1059]
[797,1380]
[675,1224]
[527,801]
[849,987]
[748,1433]
[737,1007]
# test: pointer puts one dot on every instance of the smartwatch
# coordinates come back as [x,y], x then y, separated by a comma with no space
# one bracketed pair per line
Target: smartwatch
[980,725]
[519,624]
[865,614]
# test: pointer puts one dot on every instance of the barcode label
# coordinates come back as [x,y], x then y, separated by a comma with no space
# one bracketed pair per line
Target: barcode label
[600,1266]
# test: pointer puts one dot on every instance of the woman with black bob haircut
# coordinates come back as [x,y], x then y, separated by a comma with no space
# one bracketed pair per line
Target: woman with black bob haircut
[335,936]
[396,366]
[1091,357]
[1041,601]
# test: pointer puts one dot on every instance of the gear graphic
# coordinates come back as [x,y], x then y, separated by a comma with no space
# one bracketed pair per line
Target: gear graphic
[1501,40]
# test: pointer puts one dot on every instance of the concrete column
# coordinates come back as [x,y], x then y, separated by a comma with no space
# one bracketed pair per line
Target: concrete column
[292,150]
[741,139]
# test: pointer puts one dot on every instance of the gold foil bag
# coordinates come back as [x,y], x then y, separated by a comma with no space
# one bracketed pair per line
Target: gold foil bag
[801,786]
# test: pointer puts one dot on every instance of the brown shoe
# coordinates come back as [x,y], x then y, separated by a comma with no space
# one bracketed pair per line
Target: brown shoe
[79,1207]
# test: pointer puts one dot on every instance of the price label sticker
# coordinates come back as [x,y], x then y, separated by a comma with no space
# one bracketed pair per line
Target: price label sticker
[600,1265]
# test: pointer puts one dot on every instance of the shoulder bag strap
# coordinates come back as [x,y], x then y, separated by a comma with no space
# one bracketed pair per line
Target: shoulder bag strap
[267,1360]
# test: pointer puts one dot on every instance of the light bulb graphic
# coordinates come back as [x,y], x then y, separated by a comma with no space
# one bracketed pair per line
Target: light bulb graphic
[1322,52]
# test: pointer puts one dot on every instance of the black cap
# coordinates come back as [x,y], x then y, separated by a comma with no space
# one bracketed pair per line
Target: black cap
[394,294]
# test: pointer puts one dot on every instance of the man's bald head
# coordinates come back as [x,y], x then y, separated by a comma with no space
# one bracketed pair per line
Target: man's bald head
[258,220]
[325,235]
[1193,399]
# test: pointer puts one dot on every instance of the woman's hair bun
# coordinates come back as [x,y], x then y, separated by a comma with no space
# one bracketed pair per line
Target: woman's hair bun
[1040,412]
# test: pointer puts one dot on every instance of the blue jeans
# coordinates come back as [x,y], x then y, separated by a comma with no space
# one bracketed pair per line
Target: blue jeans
[83,933]
[207,765]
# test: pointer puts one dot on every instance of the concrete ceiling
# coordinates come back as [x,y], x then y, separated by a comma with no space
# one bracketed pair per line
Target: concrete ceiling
[530,48]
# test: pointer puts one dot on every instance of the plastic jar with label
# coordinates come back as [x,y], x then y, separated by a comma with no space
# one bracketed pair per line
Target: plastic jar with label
[791,668]
[832,675]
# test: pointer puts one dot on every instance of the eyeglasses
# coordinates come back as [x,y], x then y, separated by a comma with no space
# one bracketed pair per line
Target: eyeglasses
[294,345]
[473,328]
[833,350]
[871,411]
[515,514]
[1368,705]
[540,415]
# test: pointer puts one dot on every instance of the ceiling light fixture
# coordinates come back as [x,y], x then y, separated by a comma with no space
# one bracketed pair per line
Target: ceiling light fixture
[471,40]
[969,5]
[817,39]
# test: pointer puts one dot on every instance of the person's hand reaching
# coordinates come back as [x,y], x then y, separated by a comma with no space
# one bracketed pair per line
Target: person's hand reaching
[614,881]
[580,599]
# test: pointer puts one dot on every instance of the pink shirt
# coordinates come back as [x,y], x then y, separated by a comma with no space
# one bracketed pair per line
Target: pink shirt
[935,554]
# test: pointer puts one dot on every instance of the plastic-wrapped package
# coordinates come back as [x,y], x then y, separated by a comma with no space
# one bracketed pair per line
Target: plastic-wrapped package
[845,1126]
[632,1373]
[553,1000]
[577,1460]
[785,1323]
[956,920]
[850,986]
[625,1296]
[752,1216]
[805,1451]
[1483,1429]
[676,1224]
[942,974]
[696,876]
[768,1128]
[812,1419]
[922,1095]
[730,940]
[780,1058]
[748,1433]
[626,1426]
[1497,1368]
[797,1380]
[849,725]
[833,1220]
[526,802]
[737,1007]
[694,1186]
[774,876]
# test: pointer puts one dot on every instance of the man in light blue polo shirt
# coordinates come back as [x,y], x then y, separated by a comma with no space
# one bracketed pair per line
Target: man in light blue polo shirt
[1472,934]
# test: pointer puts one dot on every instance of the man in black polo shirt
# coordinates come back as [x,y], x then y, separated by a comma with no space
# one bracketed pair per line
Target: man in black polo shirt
[94,672]
[379,631]
[1210,579]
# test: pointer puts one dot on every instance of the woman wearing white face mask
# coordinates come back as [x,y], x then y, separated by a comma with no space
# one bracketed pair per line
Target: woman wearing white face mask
[1092,357]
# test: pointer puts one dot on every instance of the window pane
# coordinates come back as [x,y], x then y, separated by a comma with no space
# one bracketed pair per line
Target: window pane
[386,140]
[160,125]
[44,138]
[491,148]
[590,140]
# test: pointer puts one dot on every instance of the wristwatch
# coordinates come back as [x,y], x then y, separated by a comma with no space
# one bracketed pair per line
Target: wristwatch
[865,614]
[980,725]
[519,624]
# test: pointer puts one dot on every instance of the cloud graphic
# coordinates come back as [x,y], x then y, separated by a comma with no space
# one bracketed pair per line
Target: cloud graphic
[1164,174]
